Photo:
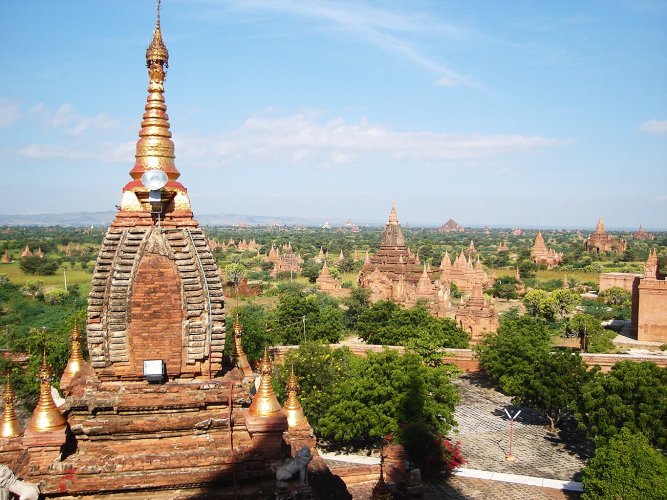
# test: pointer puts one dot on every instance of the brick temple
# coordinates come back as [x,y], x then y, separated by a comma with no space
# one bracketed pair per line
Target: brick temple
[394,273]
[156,408]
[542,255]
[601,241]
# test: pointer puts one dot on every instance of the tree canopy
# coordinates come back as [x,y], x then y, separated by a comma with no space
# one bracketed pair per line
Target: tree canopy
[627,467]
[631,395]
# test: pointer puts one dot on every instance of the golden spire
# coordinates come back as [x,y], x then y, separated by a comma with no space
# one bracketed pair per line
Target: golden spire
[239,358]
[292,406]
[46,416]
[75,358]
[9,425]
[265,403]
[155,149]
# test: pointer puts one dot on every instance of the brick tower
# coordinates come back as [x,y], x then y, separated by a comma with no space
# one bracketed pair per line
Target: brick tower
[155,409]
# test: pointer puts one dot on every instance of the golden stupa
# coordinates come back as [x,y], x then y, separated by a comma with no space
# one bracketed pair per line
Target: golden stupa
[75,358]
[9,425]
[46,416]
[265,403]
[292,406]
[239,358]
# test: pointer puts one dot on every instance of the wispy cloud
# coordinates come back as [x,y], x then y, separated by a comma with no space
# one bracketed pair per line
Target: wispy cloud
[655,126]
[388,29]
[10,112]
[69,122]
[104,152]
[302,139]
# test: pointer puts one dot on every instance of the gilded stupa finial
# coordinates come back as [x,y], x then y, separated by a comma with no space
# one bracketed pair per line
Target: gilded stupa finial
[46,416]
[292,405]
[265,403]
[76,360]
[155,149]
[9,424]
[239,357]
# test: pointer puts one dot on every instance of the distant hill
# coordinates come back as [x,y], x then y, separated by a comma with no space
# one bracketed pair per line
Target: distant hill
[105,218]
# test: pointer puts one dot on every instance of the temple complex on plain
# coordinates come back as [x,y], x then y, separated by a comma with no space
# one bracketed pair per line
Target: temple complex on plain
[395,273]
[601,241]
[543,255]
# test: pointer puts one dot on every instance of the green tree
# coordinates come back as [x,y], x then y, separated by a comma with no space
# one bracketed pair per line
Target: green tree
[553,385]
[505,288]
[319,369]
[619,300]
[301,316]
[566,301]
[385,390]
[511,354]
[628,468]
[587,329]
[632,395]
[357,302]
[38,265]
[311,270]
[256,331]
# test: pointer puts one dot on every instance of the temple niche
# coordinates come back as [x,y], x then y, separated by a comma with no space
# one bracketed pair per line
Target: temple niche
[649,303]
[155,408]
[542,255]
[600,241]
[394,273]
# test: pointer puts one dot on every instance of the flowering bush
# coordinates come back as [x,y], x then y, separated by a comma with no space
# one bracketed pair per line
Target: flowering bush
[452,454]
[427,449]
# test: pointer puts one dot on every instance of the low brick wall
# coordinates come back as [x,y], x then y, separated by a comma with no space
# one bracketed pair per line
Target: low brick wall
[466,359]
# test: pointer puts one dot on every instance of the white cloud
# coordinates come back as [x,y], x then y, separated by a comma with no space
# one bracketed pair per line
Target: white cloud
[655,126]
[69,122]
[302,139]
[117,153]
[9,112]
[379,26]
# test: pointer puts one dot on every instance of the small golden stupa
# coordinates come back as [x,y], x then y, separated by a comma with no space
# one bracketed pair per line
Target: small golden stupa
[292,406]
[265,403]
[9,425]
[75,358]
[239,358]
[46,417]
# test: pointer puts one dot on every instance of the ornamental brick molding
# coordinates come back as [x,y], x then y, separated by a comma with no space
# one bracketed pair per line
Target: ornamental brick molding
[147,279]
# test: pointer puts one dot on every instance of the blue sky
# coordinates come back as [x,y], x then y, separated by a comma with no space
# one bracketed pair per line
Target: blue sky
[514,113]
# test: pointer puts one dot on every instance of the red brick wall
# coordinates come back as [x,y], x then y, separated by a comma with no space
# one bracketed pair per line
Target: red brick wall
[155,328]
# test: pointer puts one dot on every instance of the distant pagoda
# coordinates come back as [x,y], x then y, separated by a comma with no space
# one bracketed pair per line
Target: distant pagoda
[395,273]
[451,226]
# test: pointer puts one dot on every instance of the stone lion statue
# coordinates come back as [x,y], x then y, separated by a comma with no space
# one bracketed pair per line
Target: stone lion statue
[298,464]
[9,484]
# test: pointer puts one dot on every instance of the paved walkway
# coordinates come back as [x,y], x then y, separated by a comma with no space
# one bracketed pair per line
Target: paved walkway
[483,431]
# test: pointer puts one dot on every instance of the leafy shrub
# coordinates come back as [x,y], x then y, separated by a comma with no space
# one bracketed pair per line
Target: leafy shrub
[628,468]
